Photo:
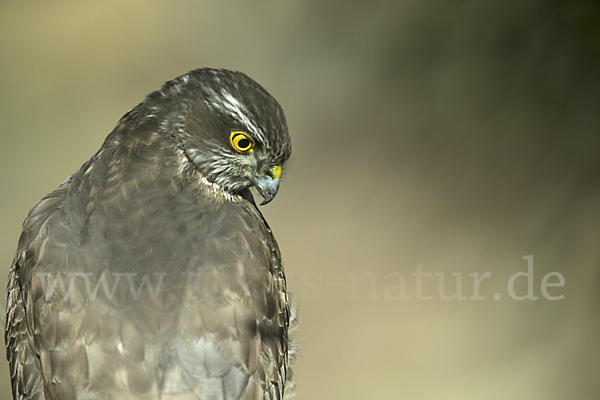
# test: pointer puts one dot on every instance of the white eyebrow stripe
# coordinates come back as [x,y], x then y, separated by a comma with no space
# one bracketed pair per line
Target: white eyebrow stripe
[238,111]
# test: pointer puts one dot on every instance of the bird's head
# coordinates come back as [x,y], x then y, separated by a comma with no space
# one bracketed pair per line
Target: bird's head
[230,128]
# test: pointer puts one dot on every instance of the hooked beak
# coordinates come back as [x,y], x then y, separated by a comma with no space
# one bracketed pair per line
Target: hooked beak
[268,184]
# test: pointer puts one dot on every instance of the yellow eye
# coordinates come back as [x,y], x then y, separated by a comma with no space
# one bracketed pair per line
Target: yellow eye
[241,142]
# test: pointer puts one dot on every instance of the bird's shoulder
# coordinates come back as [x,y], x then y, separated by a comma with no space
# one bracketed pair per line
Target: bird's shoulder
[222,284]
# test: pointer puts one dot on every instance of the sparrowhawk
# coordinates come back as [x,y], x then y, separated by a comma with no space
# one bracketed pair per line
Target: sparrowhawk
[151,273]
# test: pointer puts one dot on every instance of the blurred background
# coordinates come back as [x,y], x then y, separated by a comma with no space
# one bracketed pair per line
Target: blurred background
[450,137]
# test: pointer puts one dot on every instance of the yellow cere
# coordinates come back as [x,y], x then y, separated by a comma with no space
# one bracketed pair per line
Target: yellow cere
[241,142]
[276,172]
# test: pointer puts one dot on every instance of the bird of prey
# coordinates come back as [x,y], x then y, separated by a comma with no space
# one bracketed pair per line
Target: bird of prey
[151,273]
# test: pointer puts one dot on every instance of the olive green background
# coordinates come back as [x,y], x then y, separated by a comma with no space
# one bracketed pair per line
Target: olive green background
[459,136]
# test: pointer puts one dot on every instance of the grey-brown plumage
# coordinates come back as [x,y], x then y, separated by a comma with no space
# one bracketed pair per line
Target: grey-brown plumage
[150,273]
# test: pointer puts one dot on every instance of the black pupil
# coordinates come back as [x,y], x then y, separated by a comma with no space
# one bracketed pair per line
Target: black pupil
[243,143]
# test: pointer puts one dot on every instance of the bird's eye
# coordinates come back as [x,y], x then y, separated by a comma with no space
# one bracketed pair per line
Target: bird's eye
[241,142]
